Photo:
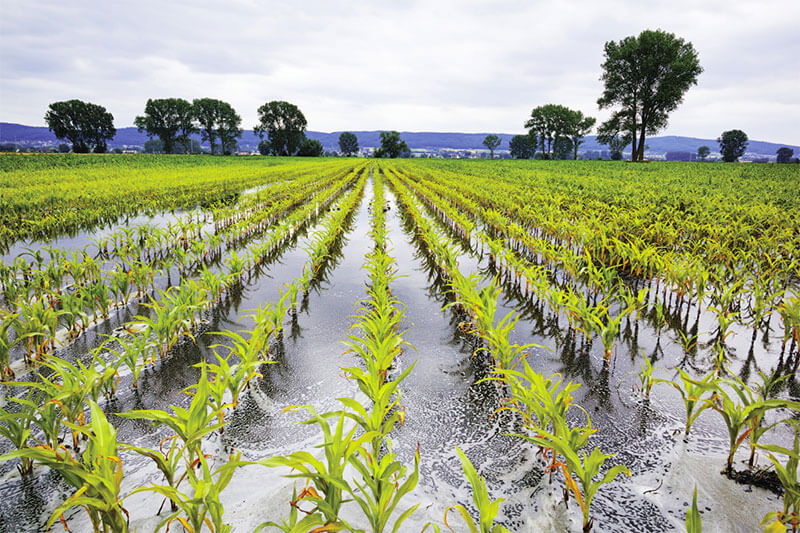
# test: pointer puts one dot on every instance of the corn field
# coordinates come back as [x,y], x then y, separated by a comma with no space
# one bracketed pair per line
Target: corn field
[287,344]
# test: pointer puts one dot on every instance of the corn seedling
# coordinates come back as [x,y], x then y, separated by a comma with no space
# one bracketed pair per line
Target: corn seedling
[789,476]
[693,392]
[190,425]
[646,378]
[742,412]
[16,428]
[694,522]
[96,476]
[385,481]
[326,477]
[202,509]
[487,508]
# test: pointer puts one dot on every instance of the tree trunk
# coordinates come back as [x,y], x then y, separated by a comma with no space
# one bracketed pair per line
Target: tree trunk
[641,143]
[634,151]
[210,135]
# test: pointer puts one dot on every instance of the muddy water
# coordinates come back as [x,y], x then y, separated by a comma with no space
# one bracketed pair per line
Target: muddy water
[445,408]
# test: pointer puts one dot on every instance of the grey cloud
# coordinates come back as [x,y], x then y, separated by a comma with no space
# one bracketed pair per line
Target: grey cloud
[449,65]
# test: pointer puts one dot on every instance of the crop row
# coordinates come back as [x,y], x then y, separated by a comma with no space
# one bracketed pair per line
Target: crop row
[56,403]
[42,202]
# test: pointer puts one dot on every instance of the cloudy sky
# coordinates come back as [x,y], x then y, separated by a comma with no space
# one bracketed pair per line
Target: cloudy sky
[416,66]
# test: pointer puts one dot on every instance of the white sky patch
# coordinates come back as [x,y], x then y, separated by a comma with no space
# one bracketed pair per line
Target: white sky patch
[422,66]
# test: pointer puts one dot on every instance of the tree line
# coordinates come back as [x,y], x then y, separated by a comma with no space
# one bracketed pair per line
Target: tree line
[170,123]
[644,77]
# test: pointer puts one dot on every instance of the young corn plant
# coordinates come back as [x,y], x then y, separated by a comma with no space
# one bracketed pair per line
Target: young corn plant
[385,481]
[201,510]
[96,476]
[487,508]
[189,425]
[327,484]
[67,388]
[789,476]
[693,392]
[168,460]
[16,428]
[585,467]
[742,412]
[7,323]
[694,522]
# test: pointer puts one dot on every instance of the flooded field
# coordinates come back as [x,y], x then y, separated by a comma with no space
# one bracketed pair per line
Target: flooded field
[274,301]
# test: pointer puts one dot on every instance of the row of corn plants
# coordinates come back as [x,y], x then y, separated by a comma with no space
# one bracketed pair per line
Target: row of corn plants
[580,307]
[51,268]
[742,408]
[37,323]
[748,288]
[58,401]
[358,463]
[541,403]
[50,195]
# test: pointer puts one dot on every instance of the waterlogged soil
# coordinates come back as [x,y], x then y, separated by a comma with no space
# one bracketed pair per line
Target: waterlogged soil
[80,239]
[445,408]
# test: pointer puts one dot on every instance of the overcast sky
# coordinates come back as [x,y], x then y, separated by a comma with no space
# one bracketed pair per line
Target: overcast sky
[415,66]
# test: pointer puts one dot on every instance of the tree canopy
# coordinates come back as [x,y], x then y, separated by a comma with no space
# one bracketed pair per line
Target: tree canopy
[86,126]
[703,152]
[610,134]
[580,127]
[732,145]
[169,119]
[646,76]
[552,124]
[785,155]
[392,145]
[491,142]
[311,148]
[348,143]
[284,125]
[522,147]
[217,120]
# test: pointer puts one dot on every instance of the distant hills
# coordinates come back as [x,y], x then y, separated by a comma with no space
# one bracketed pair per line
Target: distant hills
[432,141]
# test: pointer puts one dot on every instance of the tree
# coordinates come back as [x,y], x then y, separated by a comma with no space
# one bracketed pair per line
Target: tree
[392,145]
[562,148]
[311,148]
[732,145]
[647,77]
[86,126]
[522,147]
[785,155]
[264,148]
[547,124]
[153,146]
[169,119]
[703,152]
[217,120]
[580,126]
[555,125]
[491,142]
[283,124]
[611,134]
[63,148]
[348,143]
